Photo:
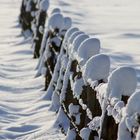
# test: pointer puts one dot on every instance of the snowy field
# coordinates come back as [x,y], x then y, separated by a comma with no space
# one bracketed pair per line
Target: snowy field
[23,115]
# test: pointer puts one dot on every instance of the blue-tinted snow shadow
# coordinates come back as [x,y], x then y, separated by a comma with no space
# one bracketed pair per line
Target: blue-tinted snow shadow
[27,52]
[23,128]
[62,3]
[131,35]
[23,42]
[121,57]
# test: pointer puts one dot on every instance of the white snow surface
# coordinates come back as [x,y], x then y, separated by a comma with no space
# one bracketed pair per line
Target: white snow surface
[22,114]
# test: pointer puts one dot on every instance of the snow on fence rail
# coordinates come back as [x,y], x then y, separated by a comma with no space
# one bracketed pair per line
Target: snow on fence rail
[91,103]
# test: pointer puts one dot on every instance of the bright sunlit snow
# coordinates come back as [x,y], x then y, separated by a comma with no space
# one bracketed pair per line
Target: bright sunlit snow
[23,113]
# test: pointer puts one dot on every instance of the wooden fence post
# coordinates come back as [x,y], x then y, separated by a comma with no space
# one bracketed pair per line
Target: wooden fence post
[40,25]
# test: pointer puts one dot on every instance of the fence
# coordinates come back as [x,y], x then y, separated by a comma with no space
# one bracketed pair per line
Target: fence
[91,103]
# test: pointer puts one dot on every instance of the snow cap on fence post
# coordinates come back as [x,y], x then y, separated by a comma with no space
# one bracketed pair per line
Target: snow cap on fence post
[133,105]
[133,112]
[87,49]
[67,23]
[28,6]
[44,5]
[131,118]
[69,32]
[71,39]
[97,68]
[122,81]
[55,10]
[25,2]
[76,44]
[56,21]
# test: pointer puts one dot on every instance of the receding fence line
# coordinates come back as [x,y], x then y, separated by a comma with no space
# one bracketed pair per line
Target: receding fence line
[90,101]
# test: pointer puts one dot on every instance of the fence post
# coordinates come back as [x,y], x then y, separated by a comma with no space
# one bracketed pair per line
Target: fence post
[40,25]
[124,79]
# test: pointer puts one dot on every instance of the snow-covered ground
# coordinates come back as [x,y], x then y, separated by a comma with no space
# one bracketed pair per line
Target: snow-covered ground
[115,23]
[21,110]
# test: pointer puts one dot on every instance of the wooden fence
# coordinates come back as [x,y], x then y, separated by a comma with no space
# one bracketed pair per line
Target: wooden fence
[90,101]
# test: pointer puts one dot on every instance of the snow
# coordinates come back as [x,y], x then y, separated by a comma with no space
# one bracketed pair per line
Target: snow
[62,120]
[95,123]
[65,82]
[73,109]
[22,114]
[123,133]
[97,68]
[56,40]
[76,44]
[69,32]
[56,21]
[71,134]
[85,133]
[44,5]
[27,116]
[71,39]
[126,85]
[55,10]
[88,48]
[55,105]
[133,105]
[78,87]
[67,23]
[138,135]
[28,7]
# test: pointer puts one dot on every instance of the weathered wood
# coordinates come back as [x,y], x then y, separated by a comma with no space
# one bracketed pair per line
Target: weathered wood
[109,128]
